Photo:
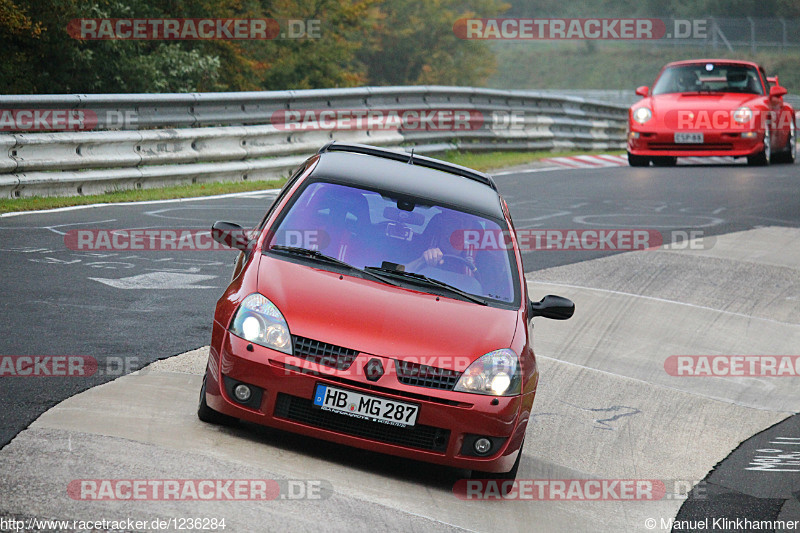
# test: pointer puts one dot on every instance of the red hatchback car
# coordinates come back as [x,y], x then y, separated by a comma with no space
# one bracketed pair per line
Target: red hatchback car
[363,312]
[711,107]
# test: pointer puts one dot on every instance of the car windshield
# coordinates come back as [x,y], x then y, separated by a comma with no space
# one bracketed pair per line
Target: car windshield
[709,77]
[366,228]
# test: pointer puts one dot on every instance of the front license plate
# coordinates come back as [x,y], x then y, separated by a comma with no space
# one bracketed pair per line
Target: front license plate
[688,138]
[359,405]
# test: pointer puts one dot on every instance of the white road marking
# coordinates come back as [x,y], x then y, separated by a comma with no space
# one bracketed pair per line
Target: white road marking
[52,228]
[713,221]
[159,280]
[148,202]
[526,171]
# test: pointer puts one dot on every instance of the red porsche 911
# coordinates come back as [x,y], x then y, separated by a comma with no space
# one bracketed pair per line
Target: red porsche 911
[359,315]
[711,107]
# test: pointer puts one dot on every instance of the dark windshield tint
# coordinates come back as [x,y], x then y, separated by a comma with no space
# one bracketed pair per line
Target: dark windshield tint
[709,77]
[367,228]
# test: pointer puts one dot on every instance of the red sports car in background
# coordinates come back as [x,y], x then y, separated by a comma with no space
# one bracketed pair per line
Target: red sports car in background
[358,315]
[711,107]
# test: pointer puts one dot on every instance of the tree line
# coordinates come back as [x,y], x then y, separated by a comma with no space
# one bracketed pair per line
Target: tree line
[354,42]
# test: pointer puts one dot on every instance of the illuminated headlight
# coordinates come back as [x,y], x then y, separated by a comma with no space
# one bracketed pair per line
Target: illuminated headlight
[258,320]
[496,373]
[743,115]
[642,115]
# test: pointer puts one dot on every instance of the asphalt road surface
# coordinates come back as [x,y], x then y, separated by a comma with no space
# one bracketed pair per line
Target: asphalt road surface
[54,304]
[127,309]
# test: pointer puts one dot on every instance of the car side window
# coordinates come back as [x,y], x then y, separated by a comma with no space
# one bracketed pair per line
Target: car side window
[284,190]
[766,81]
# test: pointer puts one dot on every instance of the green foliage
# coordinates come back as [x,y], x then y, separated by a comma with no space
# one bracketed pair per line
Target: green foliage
[361,42]
[655,8]
[413,43]
[53,62]
[612,66]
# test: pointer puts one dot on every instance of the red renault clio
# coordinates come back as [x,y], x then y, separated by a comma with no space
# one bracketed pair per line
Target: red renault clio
[370,310]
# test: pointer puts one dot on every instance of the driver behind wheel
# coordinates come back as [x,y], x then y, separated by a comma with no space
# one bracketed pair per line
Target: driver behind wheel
[437,235]
[688,81]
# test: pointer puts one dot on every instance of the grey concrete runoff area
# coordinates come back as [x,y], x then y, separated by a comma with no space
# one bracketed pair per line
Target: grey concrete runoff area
[606,409]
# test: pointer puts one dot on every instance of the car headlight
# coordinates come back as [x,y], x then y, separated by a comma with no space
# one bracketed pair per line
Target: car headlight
[642,115]
[259,321]
[496,373]
[743,115]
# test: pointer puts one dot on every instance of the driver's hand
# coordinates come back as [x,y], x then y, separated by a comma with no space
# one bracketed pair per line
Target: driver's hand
[433,257]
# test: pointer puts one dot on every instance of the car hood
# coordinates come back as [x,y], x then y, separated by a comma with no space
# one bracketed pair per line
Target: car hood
[664,103]
[381,319]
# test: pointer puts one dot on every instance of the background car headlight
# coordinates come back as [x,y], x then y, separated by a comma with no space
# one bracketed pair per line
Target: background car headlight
[496,373]
[259,321]
[642,115]
[743,115]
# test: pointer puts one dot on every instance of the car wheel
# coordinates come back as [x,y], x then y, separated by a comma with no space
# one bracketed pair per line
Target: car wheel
[789,153]
[763,157]
[510,475]
[638,160]
[665,161]
[207,414]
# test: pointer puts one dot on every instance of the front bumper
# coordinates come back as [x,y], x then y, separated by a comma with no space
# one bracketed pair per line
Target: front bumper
[446,425]
[654,143]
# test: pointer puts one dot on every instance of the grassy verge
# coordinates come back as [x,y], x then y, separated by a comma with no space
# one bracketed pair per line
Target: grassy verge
[478,161]
[486,161]
[137,195]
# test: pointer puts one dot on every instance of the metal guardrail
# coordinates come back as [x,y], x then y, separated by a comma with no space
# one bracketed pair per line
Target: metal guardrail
[149,140]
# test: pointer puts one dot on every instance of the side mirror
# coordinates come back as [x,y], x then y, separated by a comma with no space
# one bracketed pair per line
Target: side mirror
[551,306]
[777,91]
[230,235]
[643,91]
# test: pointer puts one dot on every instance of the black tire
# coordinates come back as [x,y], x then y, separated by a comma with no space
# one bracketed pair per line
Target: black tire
[638,160]
[789,153]
[665,161]
[764,156]
[207,414]
[510,475]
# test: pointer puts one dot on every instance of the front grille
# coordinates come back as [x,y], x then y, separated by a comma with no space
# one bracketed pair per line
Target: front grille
[426,376]
[323,353]
[418,436]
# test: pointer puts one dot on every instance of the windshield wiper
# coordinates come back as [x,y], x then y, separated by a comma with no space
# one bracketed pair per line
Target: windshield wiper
[319,256]
[426,280]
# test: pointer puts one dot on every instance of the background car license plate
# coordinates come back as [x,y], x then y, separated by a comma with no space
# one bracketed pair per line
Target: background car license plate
[689,138]
[367,407]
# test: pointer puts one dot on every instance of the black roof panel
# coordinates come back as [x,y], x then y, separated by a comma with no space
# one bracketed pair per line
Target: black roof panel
[436,186]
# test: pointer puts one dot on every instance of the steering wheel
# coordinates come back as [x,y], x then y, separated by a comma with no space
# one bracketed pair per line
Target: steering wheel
[452,263]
